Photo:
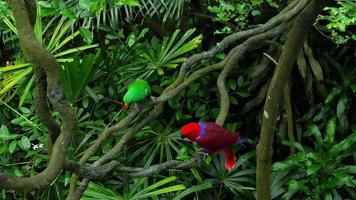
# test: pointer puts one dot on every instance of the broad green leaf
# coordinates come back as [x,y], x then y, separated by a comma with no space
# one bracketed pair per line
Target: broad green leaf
[302,65]
[341,105]
[25,143]
[240,81]
[316,132]
[316,68]
[4,130]
[293,144]
[12,146]
[232,84]
[330,131]
[334,93]
[348,142]
[25,110]
[68,13]
[328,196]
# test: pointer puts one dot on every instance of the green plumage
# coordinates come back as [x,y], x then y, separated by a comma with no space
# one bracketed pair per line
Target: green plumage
[137,91]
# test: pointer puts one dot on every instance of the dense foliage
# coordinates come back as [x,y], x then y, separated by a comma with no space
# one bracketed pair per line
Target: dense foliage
[105,45]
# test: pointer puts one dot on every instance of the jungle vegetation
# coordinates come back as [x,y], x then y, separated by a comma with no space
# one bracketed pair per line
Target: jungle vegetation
[280,72]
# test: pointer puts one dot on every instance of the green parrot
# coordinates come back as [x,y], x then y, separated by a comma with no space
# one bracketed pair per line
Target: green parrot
[136,92]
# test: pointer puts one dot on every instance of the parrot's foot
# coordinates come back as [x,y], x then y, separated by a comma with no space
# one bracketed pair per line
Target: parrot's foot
[203,152]
[138,107]
[154,100]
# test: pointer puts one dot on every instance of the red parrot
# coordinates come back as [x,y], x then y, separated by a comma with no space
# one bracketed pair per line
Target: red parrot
[213,138]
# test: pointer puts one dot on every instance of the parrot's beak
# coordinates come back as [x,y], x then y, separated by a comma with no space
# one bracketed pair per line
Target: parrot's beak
[126,106]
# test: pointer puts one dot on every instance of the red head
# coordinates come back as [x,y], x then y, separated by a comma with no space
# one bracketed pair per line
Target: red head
[191,131]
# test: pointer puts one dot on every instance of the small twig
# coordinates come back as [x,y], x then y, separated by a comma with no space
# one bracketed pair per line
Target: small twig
[270,57]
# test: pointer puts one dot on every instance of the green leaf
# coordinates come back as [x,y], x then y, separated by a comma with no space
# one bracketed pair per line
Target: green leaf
[328,196]
[240,81]
[341,105]
[130,3]
[330,131]
[86,35]
[192,89]
[242,93]
[293,144]
[74,50]
[25,143]
[193,189]
[232,84]
[302,65]
[96,191]
[334,93]
[196,174]
[316,68]
[161,191]
[25,110]
[13,67]
[75,75]
[131,40]
[170,53]
[312,169]
[233,100]
[12,146]
[15,80]
[26,91]
[4,131]
[316,132]
[255,12]
[344,145]
[85,103]
[68,13]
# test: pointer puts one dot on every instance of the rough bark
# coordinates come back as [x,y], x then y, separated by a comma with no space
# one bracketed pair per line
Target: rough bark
[280,77]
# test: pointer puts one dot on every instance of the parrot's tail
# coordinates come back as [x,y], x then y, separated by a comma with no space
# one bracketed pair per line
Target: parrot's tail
[230,159]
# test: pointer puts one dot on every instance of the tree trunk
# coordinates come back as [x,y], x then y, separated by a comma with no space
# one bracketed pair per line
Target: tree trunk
[286,61]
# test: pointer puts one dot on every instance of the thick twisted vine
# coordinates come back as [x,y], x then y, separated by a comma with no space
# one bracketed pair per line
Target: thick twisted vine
[41,59]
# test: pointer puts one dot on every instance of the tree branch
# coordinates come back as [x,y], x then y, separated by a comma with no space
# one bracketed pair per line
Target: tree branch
[289,12]
[233,59]
[93,172]
[94,148]
[286,61]
[42,109]
[179,84]
[40,58]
